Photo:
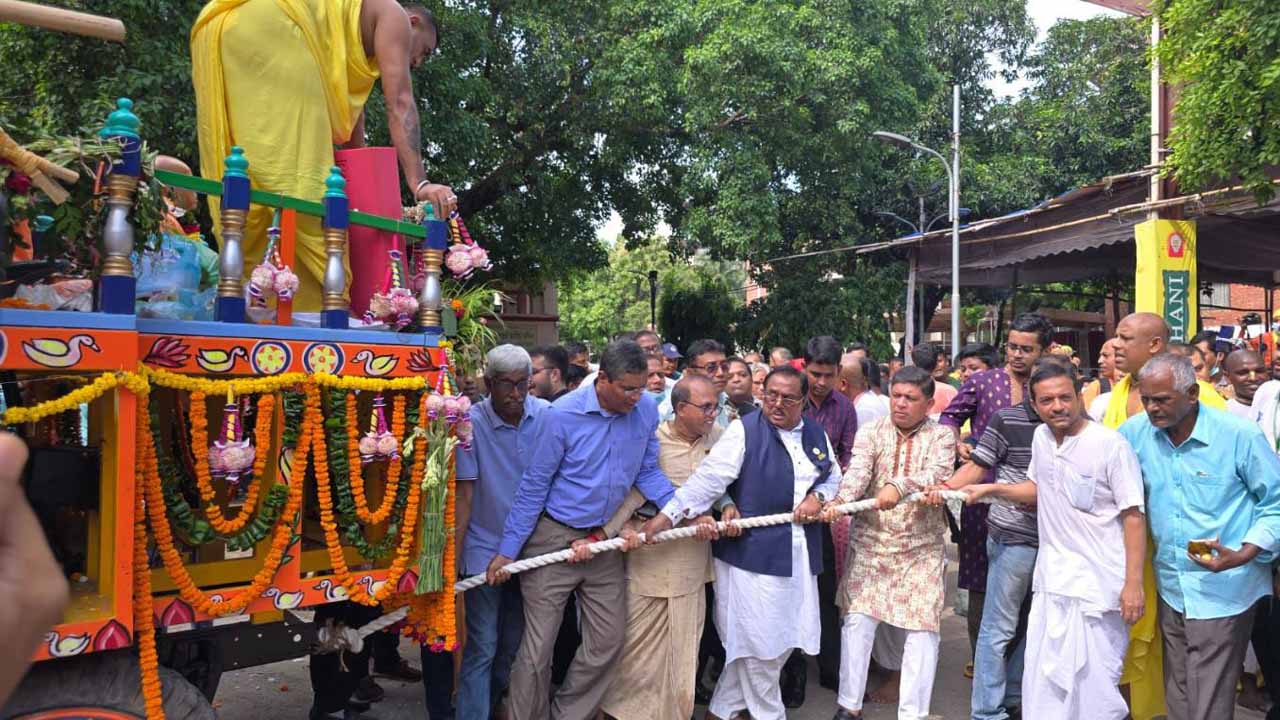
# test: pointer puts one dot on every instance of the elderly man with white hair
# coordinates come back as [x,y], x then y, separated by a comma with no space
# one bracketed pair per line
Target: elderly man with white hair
[488,473]
[1213,483]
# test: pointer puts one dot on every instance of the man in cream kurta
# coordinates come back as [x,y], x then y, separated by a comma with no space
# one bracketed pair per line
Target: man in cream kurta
[896,560]
[766,581]
[666,584]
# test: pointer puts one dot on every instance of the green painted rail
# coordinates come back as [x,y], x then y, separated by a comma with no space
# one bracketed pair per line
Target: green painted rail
[306,207]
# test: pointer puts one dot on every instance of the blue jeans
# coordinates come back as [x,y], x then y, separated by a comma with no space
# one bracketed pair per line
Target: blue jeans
[495,624]
[997,660]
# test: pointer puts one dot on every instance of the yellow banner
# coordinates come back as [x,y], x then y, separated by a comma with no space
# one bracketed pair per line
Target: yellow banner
[1165,278]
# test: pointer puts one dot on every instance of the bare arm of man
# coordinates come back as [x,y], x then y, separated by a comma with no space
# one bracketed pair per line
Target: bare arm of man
[1132,602]
[391,47]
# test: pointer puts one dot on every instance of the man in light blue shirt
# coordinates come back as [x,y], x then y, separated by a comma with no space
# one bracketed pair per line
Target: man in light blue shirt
[504,428]
[592,446]
[1213,498]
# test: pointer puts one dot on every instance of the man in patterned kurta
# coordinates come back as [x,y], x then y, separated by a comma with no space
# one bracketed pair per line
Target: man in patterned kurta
[983,395]
[896,560]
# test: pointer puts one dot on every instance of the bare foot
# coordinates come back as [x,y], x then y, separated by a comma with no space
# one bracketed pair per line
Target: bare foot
[887,692]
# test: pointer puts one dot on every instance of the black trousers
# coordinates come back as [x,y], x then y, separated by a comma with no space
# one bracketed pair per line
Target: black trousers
[437,682]
[710,647]
[1266,645]
[331,684]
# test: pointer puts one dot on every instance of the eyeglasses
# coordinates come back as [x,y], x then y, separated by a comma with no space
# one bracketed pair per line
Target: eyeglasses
[709,410]
[787,401]
[712,367]
[1014,349]
[630,392]
[507,386]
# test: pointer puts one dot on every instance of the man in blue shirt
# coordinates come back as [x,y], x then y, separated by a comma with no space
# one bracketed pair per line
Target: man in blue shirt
[504,427]
[1213,493]
[592,446]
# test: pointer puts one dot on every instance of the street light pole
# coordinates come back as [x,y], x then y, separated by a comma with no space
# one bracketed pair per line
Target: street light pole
[955,219]
[953,200]
[653,300]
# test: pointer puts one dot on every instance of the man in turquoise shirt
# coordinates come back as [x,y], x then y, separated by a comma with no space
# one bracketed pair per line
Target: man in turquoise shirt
[1211,478]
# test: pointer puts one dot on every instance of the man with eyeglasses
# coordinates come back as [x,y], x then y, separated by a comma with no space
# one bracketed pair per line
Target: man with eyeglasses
[707,358]
[550,366]
[666,584]
[592,447]
[766,591]
[504,427]
[982,396]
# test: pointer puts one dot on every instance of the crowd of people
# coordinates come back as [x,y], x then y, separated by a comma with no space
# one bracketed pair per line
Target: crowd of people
[1116,536]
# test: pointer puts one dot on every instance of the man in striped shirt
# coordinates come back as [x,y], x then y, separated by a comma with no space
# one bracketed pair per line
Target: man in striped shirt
[1005,448]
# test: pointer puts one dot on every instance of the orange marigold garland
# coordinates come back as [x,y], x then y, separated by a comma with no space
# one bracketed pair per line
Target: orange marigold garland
[200,439]
[143,621]
[187,590]
[324,497]
[432,618]
[392,485]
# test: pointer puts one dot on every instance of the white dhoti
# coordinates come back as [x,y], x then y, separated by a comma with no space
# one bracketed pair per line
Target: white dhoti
[919,662]
[1073,660]
[761,619]
[659,662]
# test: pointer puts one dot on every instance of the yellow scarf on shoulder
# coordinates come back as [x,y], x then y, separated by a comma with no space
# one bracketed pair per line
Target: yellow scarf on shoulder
[331,31]
[1144,662]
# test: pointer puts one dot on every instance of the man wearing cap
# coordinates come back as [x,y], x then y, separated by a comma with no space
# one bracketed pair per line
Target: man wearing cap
[671,360]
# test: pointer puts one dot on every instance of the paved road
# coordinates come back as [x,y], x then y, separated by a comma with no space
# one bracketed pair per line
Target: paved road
[281,691]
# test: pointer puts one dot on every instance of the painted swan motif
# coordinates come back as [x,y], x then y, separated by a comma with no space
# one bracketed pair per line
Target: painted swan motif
[220,361]
[376,366]
[55,353]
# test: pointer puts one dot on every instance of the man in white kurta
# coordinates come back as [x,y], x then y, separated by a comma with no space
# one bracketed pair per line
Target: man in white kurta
[1087,587]
[763,616]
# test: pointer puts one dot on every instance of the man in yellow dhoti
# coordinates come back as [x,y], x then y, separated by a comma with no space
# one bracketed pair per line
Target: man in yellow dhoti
[1140,336]
[287,80]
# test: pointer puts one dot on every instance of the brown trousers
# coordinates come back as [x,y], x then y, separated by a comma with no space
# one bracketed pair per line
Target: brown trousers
[601,588]
[1202,661]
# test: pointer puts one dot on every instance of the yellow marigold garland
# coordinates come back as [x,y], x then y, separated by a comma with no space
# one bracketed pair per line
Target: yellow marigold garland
[351,382]
[324,497]
[240,386]
[100,386]
[200,449]
[392,486]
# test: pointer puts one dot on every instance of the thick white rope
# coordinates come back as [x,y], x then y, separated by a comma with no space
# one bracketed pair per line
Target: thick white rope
[682,533]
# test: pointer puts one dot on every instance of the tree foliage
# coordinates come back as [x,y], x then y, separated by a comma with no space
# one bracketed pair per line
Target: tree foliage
[595,306]
[1225,58]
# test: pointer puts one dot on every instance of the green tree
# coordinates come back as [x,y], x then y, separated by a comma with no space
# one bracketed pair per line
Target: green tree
[1225,58]
[595,306]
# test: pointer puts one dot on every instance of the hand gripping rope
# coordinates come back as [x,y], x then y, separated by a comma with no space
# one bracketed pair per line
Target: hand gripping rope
[617,543]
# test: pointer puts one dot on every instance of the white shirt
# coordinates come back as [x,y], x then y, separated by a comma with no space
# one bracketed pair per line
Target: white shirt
[1266,401]
[870,407]
[1245,412]
[1082,486]
[1098,407]
[722,465]
[759,616]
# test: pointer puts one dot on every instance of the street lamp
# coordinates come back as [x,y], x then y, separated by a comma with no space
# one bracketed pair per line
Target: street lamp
[953,201]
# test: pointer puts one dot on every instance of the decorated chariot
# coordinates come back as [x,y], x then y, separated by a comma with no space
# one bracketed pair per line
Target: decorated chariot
[204,482]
